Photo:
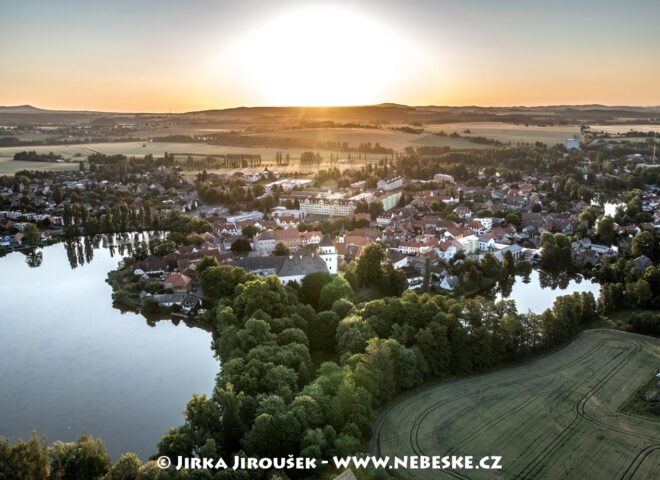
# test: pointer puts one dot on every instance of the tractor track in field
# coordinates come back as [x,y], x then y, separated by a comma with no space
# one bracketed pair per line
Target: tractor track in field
[536,464]
[596,363]
[637,462]
[424,414]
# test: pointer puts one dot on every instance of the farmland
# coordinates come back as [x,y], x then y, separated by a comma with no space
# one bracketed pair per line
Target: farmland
[555,417]
[140,149]
[509,132]
[10,167]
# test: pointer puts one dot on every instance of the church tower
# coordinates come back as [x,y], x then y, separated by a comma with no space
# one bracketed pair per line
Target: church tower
[328,254]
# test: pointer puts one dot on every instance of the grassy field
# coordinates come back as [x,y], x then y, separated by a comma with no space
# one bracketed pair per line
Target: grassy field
[509,132]
[140,149]
[555,417]
[625,128]
[10,167]
[354,136]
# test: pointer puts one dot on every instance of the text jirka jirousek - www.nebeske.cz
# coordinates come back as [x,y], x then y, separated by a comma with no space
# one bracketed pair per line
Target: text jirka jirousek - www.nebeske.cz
[490,462]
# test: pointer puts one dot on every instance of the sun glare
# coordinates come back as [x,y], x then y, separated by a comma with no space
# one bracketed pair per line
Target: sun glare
[320,55]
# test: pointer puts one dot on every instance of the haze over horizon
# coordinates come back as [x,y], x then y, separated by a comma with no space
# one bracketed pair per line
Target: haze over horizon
[187,56]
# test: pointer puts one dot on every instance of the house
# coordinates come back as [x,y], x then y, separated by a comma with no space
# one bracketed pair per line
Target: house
[448,249]
[311,238]
[641,263]
[289,236]
[384,219]
[463,212]
[486,243]
[264,242]
[177,282]
[449,282]
[414,279]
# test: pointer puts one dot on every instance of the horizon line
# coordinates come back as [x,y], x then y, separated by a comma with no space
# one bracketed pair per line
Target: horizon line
[381,104]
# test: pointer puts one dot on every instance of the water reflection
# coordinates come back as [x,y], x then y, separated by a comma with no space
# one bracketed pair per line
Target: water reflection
[538,290]
[70,362]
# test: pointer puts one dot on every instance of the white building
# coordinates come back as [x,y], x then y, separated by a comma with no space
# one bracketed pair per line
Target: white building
[469,243]
[288,184]
[442,177]
[328,254]
[366,196]
[390,200]
[244,217]
[486,222]
[335,208]
[390,183]
[280,211]
[384,219]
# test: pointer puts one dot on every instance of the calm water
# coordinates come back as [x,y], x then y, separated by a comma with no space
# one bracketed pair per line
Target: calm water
[542,289]
[71,362]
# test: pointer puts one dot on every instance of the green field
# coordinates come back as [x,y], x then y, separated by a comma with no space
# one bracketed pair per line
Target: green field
[9,167]
[140,149]
[509,132]
[555,417]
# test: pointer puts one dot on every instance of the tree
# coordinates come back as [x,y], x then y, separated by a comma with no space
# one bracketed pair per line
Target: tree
[605,230]
[126,468]
[281,250]
[337,288]
[249,231]
[322,331]
[513,219]
[310,289]
[85,460]
[241,246]
[643,244]
[641,292]
[31,234]
[555,251]
[369,268]
[204,263]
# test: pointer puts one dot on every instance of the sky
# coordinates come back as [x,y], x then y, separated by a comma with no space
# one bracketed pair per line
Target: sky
[161,56]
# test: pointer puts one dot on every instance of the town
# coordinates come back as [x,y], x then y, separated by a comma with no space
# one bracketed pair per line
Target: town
[441,229]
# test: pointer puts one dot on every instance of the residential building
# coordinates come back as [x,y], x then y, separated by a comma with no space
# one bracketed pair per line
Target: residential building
[442,177]
[333,208]
[244,217]
[390,201]
[391,183]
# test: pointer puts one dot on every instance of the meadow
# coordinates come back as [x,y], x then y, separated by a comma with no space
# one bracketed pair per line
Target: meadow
[555,417]
[181,150]
[9,167]
[385,136]
[509,132]
[614,129]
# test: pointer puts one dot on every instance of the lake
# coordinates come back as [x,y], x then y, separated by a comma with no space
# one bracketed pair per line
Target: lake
[70,362]
[538,294]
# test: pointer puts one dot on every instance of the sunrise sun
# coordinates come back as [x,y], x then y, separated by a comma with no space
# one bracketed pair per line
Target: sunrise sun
[320,55]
